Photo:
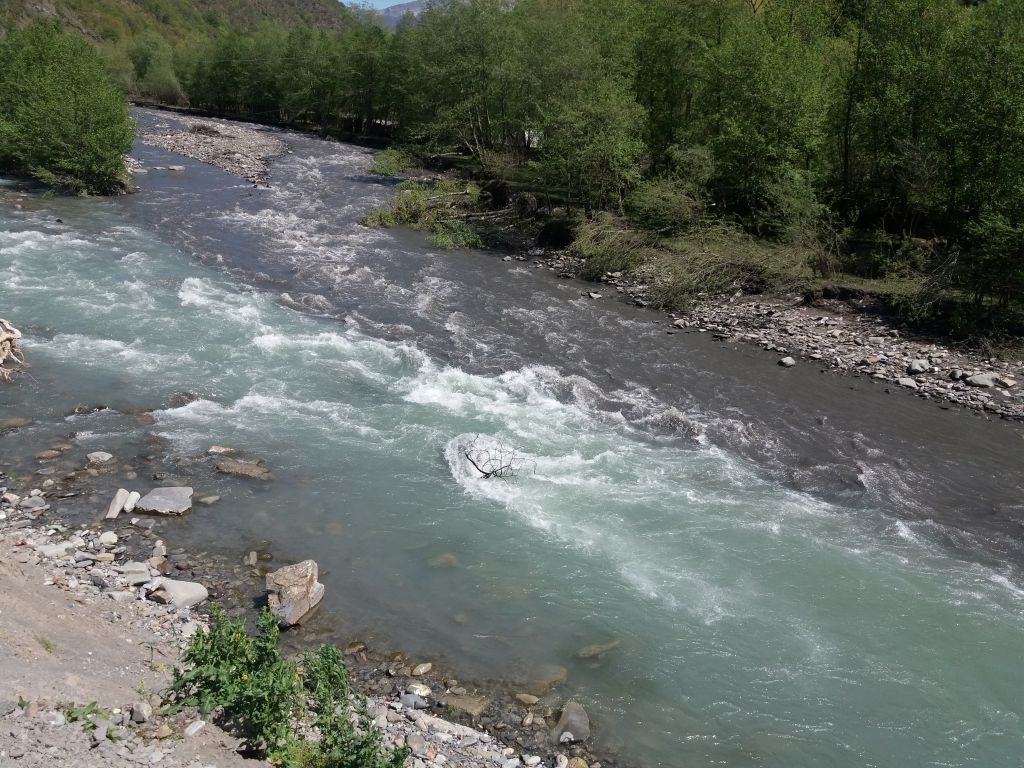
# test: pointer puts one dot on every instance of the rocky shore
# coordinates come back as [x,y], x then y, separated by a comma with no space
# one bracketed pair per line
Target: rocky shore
[232,147]
[831,334]
[120,603]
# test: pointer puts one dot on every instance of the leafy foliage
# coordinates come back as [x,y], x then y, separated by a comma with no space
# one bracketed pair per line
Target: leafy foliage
[62,120]
[391,162]
[254,689]
[436,210]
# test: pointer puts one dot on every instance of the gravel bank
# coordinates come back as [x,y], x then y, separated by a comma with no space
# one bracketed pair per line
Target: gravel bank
[232,147]
[835,336]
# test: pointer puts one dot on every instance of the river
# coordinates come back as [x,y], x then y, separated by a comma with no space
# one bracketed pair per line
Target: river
[799,570]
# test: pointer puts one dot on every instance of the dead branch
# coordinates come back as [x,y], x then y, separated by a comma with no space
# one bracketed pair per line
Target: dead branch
[497,460]
[12,359]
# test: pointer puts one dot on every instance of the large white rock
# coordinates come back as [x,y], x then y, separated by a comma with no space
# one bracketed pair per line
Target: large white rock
[166,501]
[293,591]
[117,504]
[133,499]
[180,594]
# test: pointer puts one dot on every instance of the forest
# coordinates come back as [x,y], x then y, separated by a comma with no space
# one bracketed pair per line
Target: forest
[759,143]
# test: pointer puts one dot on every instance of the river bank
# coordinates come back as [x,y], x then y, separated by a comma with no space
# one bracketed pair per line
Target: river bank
[115,578]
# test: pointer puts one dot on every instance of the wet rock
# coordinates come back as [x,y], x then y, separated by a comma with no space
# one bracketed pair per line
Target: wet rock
[208,500]
[244,469]
[421,669]
[99,457]
[527,698]
[573,725]
[293,591]
[474,706]
[14,422]
[47,455]
[166,501]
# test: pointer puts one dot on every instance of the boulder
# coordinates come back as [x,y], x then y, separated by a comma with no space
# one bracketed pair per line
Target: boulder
[907,382]
[985,380]
[117,504]
[918,366]
[573,725]
[1005,381]
[99,457]
[293,591]
[179,594]
[166,501]
[787,362]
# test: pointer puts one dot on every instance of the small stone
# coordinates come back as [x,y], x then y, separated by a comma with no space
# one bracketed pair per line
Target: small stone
[417,744]
[918,366]
[787,362]
[141,712]
[907,382]
[413,701]
[131,501]
[527,698]
[418,689]
[108,538]
[208,500]
[421,669]
[531,761]
[194,727]
[163,732]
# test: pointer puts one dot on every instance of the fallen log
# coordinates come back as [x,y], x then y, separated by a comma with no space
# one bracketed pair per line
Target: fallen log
[12,359]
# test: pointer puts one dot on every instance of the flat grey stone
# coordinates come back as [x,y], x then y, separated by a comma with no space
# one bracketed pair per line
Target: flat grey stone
[166,501]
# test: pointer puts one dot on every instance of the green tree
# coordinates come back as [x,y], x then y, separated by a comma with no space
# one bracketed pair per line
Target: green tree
[62,120]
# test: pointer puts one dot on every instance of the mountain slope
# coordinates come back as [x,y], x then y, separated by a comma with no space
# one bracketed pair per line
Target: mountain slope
[111,20]
[394,13]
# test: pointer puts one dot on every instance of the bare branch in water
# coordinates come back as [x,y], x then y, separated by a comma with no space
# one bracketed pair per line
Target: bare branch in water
[496,460]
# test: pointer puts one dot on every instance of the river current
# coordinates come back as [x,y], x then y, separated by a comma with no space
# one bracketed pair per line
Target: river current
[799,570]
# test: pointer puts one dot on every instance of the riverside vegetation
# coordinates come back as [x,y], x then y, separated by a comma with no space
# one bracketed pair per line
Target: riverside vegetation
[751,144]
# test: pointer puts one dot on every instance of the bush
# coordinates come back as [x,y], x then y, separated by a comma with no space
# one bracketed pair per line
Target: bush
[262,695]
[435,210]
[609,245]
[391,162]
[62,120]
[664,206]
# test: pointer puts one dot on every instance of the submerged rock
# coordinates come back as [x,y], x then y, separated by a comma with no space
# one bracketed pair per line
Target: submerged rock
[474,706]
[166,501]
[597,650]
[99,457]
[293,591]
[244,469]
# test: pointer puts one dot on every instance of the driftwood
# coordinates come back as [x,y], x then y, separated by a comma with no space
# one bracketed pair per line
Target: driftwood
[12,359]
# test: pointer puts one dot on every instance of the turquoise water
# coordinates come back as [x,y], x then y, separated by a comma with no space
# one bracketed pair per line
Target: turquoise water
[758,625]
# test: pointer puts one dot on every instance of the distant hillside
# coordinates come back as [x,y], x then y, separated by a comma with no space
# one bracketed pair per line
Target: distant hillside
[393,14]
[112,20]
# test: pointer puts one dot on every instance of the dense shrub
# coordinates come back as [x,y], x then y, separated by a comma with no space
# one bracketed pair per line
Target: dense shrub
[62,120]
[262,695]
